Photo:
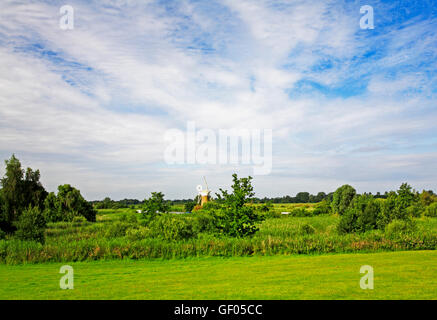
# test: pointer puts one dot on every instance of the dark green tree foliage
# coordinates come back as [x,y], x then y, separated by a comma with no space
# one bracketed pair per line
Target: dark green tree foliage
[342,198]
[31,225]
[12,192]
[237,219]
[361,216]
[34,192]
[19,191]
[154,206]
[189,206]
[68,204]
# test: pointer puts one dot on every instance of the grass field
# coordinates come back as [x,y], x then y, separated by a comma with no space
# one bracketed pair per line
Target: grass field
[397,275]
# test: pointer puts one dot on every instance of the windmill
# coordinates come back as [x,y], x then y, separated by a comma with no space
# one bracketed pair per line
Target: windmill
[203,193]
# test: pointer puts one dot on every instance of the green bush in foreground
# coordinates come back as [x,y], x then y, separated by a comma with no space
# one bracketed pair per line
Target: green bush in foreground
[31,225]
[238,219]
[431,210]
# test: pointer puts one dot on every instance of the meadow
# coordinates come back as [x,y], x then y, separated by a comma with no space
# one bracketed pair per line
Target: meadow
[397,275]
[118,234]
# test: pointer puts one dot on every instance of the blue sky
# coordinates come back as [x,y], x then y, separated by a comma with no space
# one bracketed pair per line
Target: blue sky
[90,106]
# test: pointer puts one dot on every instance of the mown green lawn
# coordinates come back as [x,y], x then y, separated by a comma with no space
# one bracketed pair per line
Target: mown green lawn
[398,275]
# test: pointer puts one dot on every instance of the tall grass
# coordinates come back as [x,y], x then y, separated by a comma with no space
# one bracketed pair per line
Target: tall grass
[108,238]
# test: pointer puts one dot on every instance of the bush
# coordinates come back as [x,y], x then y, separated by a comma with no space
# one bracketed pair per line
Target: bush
[117,229]
[154,206]
[348,221]
[2,234]
[322,207]
[414,210]
[306,229]
[205,222]
[342,199]
[361,216]
[238,219]
[79,219]
[189,206]
[431,210]
[300,212]
[140,233]
[400,227]
[170,227]
[31,225]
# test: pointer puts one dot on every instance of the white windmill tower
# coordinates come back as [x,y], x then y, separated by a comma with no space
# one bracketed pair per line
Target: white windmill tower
[204,193]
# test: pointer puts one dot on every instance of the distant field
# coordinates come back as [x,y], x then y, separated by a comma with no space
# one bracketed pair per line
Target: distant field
[398,275]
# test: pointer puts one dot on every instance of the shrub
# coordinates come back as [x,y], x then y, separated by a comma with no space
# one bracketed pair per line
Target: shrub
[322,207]
[348,221]
[415,210]
[400,227]
[238,219]
[342,199]
[31,225]
[189,206]
[2,234]
[205,222]
[170,227]
[300,212]
[138,233]
[154,206]
[306,229]
[117,229]
[68,204]
[431,210]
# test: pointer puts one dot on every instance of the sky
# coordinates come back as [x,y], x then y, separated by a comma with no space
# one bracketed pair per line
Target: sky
[90,106]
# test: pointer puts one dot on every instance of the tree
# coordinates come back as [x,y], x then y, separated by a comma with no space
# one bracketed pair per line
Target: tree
[31,225]
[19,191]
[342,198]
[154,206]
[302,197]
[34,192]
[68,204]
[13,196]
[238,219]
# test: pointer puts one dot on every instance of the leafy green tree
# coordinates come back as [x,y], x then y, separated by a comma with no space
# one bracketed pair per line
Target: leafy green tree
[342,199]
[302,197]
[20,190]
[68,204]
[238,220]
[12,190]
[154,206]
[34,192]
[51,211]
[31,225]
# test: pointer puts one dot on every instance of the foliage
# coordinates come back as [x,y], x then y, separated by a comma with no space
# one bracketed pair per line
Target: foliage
[189,206]
[399,227]
[322,207]
[31,225]
[238,219]
[431,210]
[361,216]
[306,229]
[154,206]
[342,198]
[171,227]
[66,205]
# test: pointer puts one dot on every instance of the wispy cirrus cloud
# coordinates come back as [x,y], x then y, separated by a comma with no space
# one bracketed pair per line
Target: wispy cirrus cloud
[90,106]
